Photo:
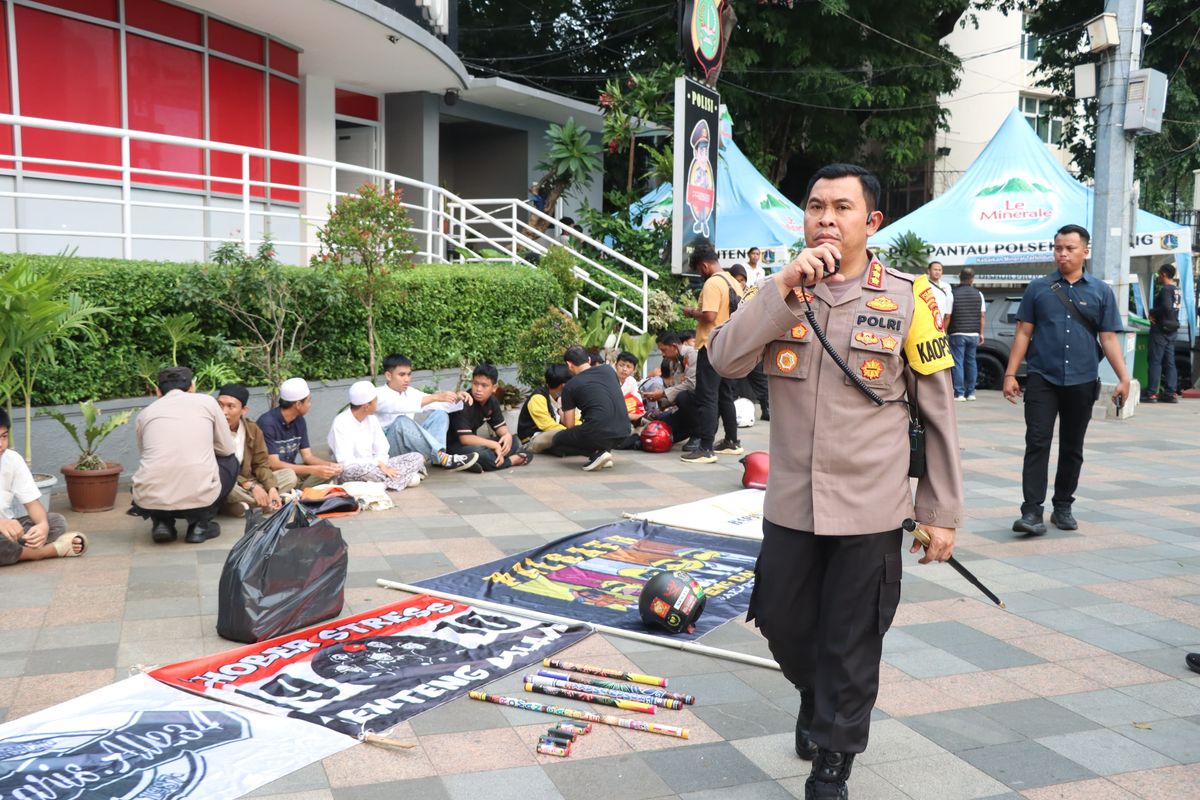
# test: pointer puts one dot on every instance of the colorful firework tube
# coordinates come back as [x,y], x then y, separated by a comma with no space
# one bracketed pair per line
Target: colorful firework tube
[604,672]
[661,702]
[579,717]
[560,738]
[580,727]
[549,747]
[620,686]
[569,732]
[587,697]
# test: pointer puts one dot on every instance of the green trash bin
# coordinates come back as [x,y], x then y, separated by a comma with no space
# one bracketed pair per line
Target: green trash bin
[1141,347]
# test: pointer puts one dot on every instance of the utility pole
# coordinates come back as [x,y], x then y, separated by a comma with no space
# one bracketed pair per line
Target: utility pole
[1112,221]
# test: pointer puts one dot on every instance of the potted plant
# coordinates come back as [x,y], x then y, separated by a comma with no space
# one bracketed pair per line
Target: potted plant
[91,481]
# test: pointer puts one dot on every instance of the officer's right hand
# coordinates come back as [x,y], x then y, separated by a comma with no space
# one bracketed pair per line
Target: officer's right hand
[1012,389]
[811,266]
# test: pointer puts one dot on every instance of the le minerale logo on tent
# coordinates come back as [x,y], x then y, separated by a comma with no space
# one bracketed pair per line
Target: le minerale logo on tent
[1016,203]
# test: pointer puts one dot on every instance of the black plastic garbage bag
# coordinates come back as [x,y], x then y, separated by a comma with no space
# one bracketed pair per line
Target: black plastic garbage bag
[286,572]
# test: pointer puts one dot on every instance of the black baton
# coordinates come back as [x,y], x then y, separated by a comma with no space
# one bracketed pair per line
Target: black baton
[922,536]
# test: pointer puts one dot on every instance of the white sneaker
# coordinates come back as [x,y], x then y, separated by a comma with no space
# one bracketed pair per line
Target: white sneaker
[600,461]
[970,398]
[414,481]
[960,399]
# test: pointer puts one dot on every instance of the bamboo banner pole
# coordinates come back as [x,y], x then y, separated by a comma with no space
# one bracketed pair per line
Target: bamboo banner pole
[637,636]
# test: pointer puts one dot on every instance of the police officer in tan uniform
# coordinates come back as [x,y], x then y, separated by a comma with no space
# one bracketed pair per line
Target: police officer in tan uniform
[828,575]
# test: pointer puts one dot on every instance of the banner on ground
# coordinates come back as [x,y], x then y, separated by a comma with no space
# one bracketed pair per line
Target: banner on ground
[736,514]
[374,670]
[140,740]
[596,576]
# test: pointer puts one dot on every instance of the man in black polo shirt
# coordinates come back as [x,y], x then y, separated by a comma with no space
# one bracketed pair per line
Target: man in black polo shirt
[500,452]
[593,393]
[1164,323]
[1058,321]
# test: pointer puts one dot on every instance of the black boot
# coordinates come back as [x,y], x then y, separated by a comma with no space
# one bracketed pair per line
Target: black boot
[202,531]
[827,781]
[806,748]
[163,530]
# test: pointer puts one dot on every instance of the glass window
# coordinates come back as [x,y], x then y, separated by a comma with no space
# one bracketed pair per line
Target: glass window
[166,95]
[165,19]
[235,115]
[1031,46]
[1038,114]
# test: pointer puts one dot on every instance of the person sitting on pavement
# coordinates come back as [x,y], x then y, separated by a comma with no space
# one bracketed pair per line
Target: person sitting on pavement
[626,367]
[357,441]
[679,381]
[188,461]
[499,451]
[541,413]
[37,533]
[398,404]
[258,486]
[595,394]
[286,435]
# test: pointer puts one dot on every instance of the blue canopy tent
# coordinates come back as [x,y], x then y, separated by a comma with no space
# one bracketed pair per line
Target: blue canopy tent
[751,212]
[1006,207]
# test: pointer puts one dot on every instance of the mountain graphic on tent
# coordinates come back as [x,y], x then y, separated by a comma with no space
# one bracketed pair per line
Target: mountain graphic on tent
[1014,186]
[771,202]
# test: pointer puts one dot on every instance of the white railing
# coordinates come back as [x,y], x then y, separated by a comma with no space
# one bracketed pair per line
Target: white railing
[236,208]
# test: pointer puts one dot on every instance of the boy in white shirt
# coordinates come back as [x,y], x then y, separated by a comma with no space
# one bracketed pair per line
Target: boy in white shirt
[400,402]
[357,442]
[37,534]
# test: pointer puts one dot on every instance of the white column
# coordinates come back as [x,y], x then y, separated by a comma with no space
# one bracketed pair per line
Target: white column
[318,139]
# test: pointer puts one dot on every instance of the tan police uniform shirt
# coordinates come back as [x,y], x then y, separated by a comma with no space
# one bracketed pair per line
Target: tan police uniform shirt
[839,463]
[180,436]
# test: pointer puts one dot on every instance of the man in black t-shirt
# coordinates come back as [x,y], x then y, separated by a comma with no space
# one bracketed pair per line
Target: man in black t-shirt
[1164,323]
[500,452]
[593,393]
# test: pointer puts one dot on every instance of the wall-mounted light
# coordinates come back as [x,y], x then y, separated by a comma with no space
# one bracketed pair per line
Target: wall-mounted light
[1102,33]
[450,97]
[943,152]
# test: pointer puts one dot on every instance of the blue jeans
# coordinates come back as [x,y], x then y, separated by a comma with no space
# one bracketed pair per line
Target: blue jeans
[964,371]
[427,438]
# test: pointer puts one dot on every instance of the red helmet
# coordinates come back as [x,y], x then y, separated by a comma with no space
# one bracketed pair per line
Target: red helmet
[755,467]
[656,437]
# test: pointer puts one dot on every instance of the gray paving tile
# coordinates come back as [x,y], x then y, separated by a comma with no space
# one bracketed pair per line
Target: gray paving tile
[1025,765]
[1064,620]
[302,780]
[1177,739]
[72,659]
[626,776]
[708,766]
[660,661]
[733,721]
[930,662]
[1177,697]
[1168,660]
[465,714]
[774,754]
[962,729]
[1105,752]
[520,783]
[1171,632]
[763,790]
[1071,597]
[716,688]
[424,788]
[1036,717]
[892,740]
[1121,614]
[1110,707]
[1116,639]
[939,777]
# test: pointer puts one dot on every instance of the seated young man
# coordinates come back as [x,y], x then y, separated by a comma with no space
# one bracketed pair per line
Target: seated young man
[503,450]
[595,393]
[679,381]
[357,441]
[188,465]
[541,412]
[286,434]
[399,403]
[257,484]
[36,534]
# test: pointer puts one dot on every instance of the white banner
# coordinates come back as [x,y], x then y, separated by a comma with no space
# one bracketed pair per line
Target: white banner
[140,740]
[734,514]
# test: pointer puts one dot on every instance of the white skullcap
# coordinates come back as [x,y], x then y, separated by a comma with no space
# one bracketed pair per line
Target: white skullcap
[294,390]
[362,392]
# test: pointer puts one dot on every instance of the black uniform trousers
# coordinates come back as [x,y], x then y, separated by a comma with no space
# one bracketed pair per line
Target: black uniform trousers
[682,420]
[580,441]
[713,397]
[1161,363]
[1072,405]
[824,603]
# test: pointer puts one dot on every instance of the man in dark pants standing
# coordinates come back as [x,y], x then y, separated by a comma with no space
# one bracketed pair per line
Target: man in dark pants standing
[1059,318]
[1164,324]
[713,395]
[828,577]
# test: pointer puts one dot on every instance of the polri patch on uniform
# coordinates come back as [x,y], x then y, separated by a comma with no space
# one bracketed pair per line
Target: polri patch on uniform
[786,360]
[883,303]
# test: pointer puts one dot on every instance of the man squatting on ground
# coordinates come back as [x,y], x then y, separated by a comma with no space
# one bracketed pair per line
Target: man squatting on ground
[828,575]
[36,534]
[188,462]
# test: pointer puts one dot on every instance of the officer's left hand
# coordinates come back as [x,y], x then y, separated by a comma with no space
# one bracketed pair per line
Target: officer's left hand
[941,544]
[1121,393]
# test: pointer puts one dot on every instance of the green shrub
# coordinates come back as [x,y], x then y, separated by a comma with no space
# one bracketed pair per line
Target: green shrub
[560,263]
[444,314]
[543,343]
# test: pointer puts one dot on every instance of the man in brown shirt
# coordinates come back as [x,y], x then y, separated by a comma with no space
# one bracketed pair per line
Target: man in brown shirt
[828,575]
[257,484]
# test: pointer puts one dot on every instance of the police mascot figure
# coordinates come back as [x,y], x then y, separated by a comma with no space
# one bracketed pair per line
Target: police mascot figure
[859,374]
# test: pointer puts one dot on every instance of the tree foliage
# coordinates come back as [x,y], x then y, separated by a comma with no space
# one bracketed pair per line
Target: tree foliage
[1164,162]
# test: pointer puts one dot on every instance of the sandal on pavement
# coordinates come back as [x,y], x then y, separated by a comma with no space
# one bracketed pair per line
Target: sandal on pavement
[65,544]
